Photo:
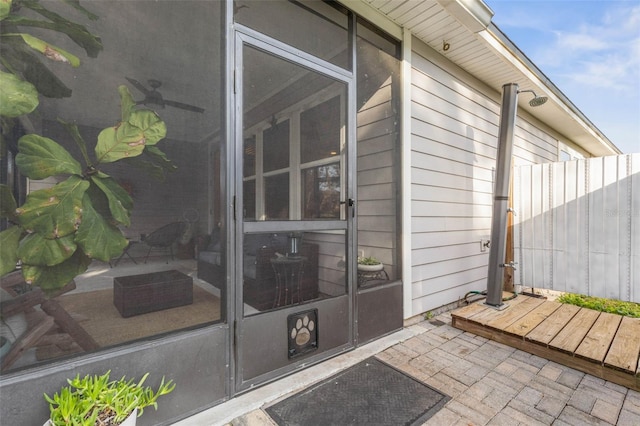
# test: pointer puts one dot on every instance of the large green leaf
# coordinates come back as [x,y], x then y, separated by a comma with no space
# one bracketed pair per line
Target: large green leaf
[122,141]
[127,103]
[150,123]
[76,5]
[9,240]
[50,51]
[21,57]
[36,250]
[97,238]
[99,202]
[7,203]
[153,162]
[5,8]
[161,158]
[76,32]
[54,212]
[129,138]
[41,157]
[120,203]
[17,97]
[77,137]
[51,278]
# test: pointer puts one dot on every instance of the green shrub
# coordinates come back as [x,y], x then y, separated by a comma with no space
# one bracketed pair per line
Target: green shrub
[618,307]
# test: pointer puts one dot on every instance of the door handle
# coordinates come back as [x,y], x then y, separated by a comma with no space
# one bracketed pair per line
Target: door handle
[351,203]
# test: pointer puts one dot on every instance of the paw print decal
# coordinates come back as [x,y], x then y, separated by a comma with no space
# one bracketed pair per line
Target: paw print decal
[303,332]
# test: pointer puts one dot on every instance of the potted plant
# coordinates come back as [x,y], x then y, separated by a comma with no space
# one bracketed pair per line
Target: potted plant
[97,400]
[369,264]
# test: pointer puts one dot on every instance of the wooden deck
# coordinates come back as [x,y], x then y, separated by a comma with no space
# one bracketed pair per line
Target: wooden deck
[601,344]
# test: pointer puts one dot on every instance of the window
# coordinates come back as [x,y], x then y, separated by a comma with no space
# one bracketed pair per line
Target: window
[318,175]
[321,192]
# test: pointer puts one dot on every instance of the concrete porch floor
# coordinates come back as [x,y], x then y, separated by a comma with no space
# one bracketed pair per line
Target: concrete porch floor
[489,383]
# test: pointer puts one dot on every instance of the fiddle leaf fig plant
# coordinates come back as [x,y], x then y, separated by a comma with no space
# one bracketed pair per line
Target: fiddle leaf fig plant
[56,232]
[59,230]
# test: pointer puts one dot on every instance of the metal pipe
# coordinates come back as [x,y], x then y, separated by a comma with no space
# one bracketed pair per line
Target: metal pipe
[497,251]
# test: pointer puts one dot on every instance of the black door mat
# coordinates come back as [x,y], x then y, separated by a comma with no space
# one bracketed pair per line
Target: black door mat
[369,393]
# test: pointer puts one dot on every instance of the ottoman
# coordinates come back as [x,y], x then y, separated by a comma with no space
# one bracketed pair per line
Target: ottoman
[140,294]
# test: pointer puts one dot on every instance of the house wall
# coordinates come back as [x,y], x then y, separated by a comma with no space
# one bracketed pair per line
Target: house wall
[454,130]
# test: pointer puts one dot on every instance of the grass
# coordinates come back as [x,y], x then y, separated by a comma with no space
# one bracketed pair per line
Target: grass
[618,307]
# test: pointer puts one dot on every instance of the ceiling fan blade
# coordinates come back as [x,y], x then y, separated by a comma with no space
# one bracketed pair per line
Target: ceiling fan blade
[184,106]
[138,86]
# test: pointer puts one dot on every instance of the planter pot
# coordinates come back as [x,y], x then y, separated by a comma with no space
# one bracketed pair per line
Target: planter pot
[370,268]
[129,421]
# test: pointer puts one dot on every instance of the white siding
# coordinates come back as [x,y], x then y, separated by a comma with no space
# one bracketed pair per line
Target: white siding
[454,130]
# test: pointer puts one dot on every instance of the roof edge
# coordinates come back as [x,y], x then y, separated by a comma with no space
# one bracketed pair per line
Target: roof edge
[495,32]
[473,14]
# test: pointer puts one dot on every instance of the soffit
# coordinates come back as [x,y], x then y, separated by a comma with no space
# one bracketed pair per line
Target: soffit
[481,49]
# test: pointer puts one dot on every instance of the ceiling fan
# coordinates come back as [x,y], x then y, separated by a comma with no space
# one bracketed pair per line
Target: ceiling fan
[152,96]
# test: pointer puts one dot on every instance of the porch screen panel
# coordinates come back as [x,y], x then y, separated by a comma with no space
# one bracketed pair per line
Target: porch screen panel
[171,276]
[298,24]
[378,148]
[297,117]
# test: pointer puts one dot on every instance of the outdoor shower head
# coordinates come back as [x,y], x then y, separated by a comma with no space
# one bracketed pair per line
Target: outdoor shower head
[537,100]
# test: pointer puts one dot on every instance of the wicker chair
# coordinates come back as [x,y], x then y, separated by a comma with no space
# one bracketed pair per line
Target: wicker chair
[164,238]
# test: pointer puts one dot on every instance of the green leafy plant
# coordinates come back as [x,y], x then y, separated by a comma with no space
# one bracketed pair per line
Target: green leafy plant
[26,56]
[368,261]
[618,307]
[58,231]
[97,400]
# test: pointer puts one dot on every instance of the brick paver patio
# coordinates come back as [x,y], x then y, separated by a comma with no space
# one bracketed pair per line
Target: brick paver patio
[494,384]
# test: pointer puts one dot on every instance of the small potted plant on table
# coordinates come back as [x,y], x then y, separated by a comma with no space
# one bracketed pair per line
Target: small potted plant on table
[369,264]
[98,401]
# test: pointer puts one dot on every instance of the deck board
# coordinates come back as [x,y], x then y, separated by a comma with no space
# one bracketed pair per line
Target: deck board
[571,335]
[470,310]
[600,344]
[625,348]
[597,342]
[515,312]
[491,314]
[530,321]
[549,328]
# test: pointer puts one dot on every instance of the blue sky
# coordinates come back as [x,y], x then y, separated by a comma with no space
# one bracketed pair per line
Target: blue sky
[590,50]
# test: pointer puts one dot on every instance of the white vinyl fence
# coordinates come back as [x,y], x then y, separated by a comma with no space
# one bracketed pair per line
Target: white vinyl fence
[577,227]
